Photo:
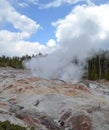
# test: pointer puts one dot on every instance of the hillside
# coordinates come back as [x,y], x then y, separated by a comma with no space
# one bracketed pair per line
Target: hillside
[53,104]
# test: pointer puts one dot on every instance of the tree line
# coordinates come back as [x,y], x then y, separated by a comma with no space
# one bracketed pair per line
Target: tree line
[97,67]
[15,62]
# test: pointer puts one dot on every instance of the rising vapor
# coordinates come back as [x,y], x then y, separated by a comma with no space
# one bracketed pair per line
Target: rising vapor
[86,28]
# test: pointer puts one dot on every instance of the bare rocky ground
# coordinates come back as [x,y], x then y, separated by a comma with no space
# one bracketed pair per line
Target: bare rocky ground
[53,104]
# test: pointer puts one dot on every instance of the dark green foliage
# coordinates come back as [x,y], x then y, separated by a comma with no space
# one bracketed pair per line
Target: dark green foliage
[14,62]
[98,66]
[6,125]
[32,128]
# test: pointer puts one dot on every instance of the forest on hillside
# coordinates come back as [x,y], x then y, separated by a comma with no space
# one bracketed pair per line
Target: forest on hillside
[97,67]
[14,62]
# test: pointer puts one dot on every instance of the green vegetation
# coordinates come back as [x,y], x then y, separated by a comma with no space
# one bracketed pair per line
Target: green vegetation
[6,125]
[14,62]
[98,66]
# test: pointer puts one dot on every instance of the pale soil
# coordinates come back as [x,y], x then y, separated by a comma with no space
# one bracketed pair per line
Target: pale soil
[32,101]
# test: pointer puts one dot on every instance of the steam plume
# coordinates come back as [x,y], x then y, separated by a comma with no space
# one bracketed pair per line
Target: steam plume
[84,29]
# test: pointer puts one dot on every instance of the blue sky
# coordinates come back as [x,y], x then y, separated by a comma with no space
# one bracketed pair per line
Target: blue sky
[44,17]
[28,24]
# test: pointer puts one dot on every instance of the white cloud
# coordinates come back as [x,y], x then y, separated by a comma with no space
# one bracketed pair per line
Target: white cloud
[23,4]
[33,1]
[12,47]
[57,3]
[20,22]
[26,3]
[51,43]
[84,29]
[14,43]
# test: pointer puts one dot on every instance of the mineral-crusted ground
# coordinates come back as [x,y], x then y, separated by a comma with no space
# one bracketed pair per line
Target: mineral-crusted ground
[53,104]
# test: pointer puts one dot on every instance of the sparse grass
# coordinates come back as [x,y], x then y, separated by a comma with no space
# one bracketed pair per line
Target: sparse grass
[6,125]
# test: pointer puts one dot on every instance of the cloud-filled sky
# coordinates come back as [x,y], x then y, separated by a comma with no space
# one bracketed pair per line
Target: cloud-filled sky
[33,26]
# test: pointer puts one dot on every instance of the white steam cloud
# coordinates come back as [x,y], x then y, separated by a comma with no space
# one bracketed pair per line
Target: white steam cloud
[84,29]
